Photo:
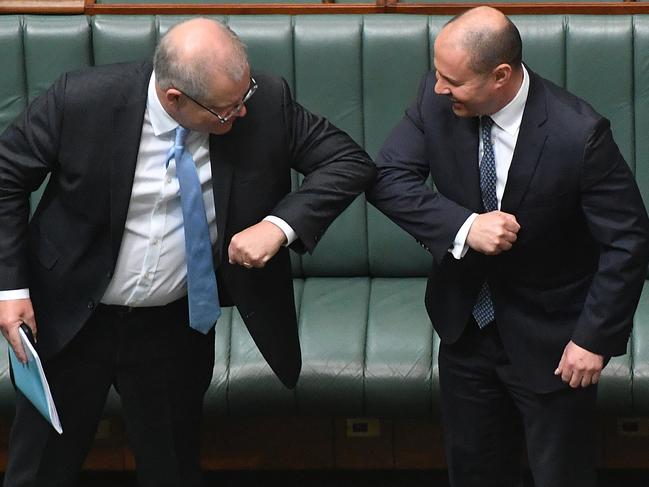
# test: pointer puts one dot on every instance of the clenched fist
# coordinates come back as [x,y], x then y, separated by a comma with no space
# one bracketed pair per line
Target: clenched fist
[492,233]
[256,245]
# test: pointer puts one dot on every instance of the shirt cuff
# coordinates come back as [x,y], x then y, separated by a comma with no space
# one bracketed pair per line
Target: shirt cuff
[460,248]
[290,234]
[14,294]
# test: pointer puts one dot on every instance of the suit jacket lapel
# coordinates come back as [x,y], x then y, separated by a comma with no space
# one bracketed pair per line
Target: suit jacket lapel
[126,132]
[531,140]
[222,157]
[465,141]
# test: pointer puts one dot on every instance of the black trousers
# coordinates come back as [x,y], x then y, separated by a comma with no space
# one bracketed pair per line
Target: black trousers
[161,369]
[488,414]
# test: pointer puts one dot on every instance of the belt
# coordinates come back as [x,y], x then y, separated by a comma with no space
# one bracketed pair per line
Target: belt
[115,308]
[126,310]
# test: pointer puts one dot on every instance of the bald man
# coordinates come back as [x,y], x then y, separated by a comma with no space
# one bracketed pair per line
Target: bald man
[540,243]
[100,273]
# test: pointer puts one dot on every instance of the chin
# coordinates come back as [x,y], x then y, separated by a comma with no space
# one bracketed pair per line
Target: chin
[460,110]
[221,129]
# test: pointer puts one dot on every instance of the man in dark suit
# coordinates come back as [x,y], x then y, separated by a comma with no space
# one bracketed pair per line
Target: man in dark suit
[540,242]
[102,266]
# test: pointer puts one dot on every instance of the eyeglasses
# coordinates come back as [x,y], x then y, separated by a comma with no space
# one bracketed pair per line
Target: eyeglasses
[235,110]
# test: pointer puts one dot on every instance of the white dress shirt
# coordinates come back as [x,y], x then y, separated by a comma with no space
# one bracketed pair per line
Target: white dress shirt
[504,134]
[151,266]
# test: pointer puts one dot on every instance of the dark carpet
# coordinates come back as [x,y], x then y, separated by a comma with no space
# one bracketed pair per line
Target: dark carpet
[389,478]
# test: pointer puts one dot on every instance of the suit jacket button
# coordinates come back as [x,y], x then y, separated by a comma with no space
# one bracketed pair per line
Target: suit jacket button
[91,305]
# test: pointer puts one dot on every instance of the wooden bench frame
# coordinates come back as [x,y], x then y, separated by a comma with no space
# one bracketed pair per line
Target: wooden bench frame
[90,7]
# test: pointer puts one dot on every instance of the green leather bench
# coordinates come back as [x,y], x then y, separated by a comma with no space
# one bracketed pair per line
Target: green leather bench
[368,347]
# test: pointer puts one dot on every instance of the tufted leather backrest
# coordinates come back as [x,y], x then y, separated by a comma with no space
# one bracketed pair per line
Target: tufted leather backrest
[361,72]
[367,344]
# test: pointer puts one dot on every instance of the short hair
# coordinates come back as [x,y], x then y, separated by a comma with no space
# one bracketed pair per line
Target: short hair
[488,47]
[193,78]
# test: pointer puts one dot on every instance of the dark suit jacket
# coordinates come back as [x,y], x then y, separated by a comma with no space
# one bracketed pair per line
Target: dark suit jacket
[578,266]
[85,132]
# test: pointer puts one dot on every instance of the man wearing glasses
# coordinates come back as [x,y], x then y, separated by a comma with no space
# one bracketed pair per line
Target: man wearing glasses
[152,169]
[231,112]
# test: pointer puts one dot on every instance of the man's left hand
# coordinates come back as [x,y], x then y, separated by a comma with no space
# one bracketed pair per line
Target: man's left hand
[578,367]
[256,245]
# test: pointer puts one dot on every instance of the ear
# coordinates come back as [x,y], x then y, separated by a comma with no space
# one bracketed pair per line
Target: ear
[172,96]
[502,74]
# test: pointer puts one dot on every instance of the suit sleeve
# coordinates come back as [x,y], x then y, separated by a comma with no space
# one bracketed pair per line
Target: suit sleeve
[617,219]
[28,150]
[401,191]
[336,171]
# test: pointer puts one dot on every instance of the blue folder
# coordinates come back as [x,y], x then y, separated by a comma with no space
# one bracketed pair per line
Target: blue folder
[30,379]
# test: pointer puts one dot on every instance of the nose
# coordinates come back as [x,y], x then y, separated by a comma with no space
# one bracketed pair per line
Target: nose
[441,88]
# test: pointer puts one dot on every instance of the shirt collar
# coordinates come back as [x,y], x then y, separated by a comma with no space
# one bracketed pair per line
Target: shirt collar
[161,121]
[509,118]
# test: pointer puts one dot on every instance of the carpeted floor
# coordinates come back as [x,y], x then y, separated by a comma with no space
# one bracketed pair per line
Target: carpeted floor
[388,478]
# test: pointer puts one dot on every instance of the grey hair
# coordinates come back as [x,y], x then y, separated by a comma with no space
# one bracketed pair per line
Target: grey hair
[489,47]
[193,78]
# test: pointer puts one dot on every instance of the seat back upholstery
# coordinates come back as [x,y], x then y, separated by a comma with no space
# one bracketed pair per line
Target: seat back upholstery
[368,347]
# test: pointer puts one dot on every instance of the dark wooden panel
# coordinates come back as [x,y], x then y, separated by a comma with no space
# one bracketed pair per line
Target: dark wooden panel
[549,8]
[233,9]
[320,443]
[364,452]
[418,444]
[268,443]
[89,7]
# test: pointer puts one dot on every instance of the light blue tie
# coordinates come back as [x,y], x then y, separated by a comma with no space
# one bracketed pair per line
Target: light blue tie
[483,310]
[204,307]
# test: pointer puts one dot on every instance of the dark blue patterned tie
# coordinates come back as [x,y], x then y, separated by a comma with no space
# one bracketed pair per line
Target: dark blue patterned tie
[204,307]
[483,310]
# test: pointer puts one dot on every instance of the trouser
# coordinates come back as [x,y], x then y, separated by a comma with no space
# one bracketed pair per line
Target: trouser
[161,369]
[488,413]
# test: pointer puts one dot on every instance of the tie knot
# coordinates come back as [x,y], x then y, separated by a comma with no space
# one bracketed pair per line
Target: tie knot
[181,135]
[487,122]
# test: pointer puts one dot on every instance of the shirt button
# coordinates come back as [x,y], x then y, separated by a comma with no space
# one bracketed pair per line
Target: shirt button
[156,242]
[148,275]
[168,180]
